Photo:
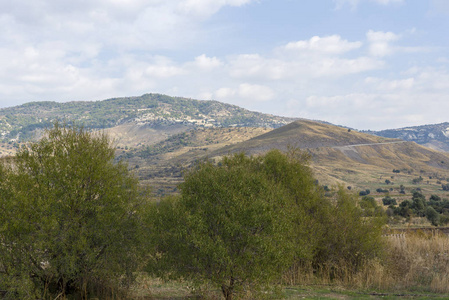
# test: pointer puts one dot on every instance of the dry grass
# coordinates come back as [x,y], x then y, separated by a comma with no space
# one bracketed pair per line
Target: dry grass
[421,260]
[414,261]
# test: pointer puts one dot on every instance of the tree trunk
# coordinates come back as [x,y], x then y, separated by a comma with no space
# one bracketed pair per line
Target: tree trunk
[228,289]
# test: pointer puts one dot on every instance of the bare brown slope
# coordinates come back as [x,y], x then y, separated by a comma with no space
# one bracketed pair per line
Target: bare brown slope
[303,134]
[359,160]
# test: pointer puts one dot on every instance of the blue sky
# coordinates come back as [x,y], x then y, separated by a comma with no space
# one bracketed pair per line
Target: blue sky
[367,64]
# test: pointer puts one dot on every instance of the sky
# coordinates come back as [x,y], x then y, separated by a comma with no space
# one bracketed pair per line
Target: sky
[366,64]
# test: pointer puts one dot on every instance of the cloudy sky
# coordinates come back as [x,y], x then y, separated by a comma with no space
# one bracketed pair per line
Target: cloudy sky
[367,64]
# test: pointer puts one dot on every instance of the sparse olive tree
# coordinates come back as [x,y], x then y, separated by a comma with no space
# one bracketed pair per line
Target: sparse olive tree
[69,218]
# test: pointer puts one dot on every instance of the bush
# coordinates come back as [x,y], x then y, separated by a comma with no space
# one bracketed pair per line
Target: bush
[349,239]
[66,212]
[389,201]
[432,215]
[364,193]
[417,180]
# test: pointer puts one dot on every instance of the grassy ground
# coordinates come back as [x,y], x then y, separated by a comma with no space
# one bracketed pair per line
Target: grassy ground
[340,293]
[178,291]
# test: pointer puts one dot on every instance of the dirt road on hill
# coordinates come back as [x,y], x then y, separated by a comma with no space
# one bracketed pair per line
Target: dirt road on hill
[350,147]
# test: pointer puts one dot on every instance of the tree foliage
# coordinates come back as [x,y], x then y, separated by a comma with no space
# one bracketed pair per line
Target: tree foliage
[244,221]
[66,212]
[230,227]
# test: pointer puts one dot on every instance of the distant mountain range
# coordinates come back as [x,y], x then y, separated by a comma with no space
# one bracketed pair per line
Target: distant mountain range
[153,110]
[434,136]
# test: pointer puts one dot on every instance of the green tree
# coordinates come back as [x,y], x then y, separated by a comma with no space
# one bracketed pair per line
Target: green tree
[231,226]
[369,206]
[388,200]
[66,212]
[419,203]
[432,215]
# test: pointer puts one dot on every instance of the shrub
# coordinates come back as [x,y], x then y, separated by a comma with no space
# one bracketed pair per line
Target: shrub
[389,201]
[432,215]
[349,239]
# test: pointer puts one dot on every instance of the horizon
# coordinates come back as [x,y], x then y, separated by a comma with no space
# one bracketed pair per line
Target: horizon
[364,64]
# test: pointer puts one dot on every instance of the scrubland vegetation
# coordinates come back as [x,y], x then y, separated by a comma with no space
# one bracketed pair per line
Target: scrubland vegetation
[75,224]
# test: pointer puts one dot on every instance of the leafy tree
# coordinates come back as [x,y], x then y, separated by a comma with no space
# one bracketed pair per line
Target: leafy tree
[388,200]
[432,215]
[404,209]
[418,203]
[365,192]
[435,198]
[66,212]
[227,227]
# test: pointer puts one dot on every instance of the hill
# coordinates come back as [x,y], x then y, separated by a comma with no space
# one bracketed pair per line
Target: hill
[434,136]
[304,134]
[339,156]
[152,110]
[357,160]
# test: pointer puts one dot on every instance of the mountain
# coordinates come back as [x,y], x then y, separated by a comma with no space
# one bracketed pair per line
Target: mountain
[130,121]
[305,134]
[434,136]
[351,158]
[150,110]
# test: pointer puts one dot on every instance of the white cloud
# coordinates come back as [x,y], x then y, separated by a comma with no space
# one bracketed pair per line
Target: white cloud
[224,93]
[329,44]
[255,92]
[383,103]
[246,93]
[379,42]
[259,67]
[354,3]
[387,2]
[207,63]
[206,8]
[316,57]
[390,85]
